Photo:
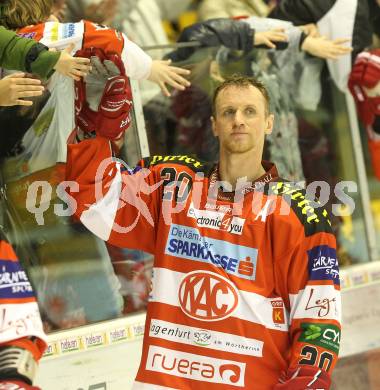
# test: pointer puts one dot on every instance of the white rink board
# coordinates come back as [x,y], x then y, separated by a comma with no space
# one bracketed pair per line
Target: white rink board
[111,368]
[106,355]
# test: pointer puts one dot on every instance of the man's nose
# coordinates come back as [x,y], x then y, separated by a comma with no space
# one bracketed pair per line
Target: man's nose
[238,118]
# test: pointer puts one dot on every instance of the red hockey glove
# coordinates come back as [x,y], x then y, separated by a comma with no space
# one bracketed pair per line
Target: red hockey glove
[16,385]
[304,378]
[366,73]
[104,100]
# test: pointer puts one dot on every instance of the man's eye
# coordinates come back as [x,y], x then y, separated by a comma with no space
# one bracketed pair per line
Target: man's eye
[250,111]
[228,112]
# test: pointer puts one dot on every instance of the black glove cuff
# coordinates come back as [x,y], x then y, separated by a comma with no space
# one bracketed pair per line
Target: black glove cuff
[33,54]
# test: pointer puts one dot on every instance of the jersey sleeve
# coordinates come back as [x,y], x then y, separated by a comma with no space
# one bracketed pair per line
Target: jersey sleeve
[115,202]
[315,302]
[137,63]
[310,274]
[21,324]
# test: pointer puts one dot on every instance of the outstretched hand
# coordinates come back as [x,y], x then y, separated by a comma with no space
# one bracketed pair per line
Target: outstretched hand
[326,48]
[268,37]
[74,67]
[163,73]
[16,87]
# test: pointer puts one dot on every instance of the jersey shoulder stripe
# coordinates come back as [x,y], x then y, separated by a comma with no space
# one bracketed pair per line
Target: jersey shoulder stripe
[310,213]
[190,161]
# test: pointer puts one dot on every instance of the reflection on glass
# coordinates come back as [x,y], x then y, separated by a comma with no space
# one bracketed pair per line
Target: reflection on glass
[327,155]
[358,372]
[374,188]
[311,140]
[78,278]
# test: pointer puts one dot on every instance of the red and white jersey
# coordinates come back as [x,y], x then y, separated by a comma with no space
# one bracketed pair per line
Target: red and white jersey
[45,143]
[20,318]
[240,291]
[85,34]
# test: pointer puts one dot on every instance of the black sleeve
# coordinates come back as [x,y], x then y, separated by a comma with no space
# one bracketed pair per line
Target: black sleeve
[303,37]
[215,32]
[362,34]
[33,54]
[311,11]
[301,11]
[374,11]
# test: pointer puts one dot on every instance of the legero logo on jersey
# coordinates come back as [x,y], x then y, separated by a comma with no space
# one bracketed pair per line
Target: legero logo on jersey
[207,296]
[216,220]
[195,367]
[188,243]
[324,335]
[323,264]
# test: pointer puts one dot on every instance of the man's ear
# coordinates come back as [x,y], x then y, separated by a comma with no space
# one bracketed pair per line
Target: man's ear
[269,124]
[213,126]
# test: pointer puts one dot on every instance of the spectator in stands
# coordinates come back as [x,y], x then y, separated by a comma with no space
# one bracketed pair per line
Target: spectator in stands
[30,56]
[141,21]
[192,107]
[210,9]
[22,347]
[41,150]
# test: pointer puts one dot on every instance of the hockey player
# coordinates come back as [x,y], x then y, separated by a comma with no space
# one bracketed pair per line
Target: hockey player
[22,339]
[245,289]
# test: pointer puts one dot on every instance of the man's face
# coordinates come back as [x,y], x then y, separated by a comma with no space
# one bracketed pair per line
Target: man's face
[241,121]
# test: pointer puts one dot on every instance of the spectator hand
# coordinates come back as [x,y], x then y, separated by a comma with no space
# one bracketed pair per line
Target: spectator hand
[163,73]
[74,67]
[268,37]
[310,29]
[326,48]
[14,88]
[16,385]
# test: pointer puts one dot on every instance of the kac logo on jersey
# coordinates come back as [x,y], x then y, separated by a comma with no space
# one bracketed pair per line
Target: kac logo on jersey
[207,296]
[187,243]
[323,264]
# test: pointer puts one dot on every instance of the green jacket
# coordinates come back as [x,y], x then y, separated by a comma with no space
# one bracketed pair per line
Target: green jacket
[26,55]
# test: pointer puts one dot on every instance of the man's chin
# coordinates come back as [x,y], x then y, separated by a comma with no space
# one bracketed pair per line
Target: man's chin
[239,147]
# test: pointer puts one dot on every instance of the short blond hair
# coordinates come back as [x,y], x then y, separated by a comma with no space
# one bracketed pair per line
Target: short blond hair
[16,14]
[241,81]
